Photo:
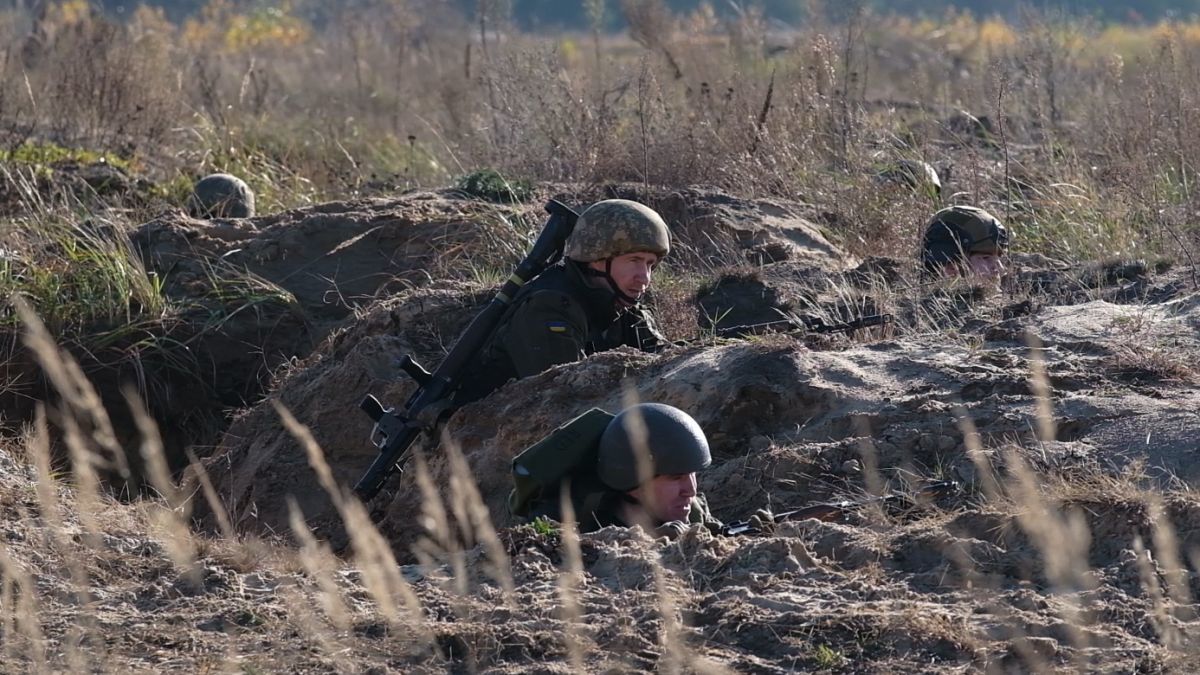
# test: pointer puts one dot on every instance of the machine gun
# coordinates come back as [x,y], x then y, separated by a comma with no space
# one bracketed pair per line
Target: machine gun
[834,511]
[396,430]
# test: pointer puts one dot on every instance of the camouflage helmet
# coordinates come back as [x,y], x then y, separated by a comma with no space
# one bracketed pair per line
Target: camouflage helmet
[954,233]
[614,227]
[675,441]
[221,195]
[916,175]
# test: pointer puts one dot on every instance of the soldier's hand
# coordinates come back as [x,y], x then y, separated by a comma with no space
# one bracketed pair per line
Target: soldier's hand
[671,530]
[763,521]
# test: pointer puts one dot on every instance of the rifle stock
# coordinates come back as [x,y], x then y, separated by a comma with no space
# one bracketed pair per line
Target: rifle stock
[830,512]
[395,431]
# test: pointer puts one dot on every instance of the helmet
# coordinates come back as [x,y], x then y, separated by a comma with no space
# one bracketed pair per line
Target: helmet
[918,176]
[675,441]
[958,231]
[221,195]
[615,227]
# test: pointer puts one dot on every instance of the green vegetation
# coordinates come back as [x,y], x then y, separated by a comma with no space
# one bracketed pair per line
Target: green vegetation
[827,658]
[491,185]
[80,281]
[544,526]
[41,154]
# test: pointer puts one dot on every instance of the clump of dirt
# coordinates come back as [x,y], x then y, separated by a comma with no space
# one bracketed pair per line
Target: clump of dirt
[778,296]
[739,299]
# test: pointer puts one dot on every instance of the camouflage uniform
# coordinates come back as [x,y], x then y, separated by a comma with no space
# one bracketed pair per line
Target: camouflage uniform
[916,175]
[676,445]
[556,319]
[560,317]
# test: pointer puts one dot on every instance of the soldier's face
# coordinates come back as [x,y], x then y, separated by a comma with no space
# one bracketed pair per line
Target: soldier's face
[667,498]
[983,265]
[631,272]
[987,265]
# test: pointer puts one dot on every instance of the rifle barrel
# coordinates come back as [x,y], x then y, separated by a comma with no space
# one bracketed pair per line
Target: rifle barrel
[834,511]
[808,324]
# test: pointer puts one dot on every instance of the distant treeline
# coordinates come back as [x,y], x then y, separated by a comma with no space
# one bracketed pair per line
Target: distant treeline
[546,13]
[553,14]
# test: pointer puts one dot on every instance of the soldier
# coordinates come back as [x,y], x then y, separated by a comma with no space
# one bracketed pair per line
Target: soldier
[964,240]
[613,487]
[915,175]
[221,195]
[586,304]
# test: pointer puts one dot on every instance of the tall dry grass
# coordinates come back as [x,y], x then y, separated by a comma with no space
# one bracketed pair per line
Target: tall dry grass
[1081,135]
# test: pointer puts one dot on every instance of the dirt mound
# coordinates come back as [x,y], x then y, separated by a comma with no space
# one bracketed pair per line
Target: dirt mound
[324,391]
[92,181]
[785,421]
[746,302]
[278,284]
[1083,580]
[713,228]
[338,256]
[188,370]
[326,261]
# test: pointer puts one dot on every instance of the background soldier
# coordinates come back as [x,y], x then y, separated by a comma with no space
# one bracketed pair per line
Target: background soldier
[221,195]
[586,304]
[964,240]
[919,177]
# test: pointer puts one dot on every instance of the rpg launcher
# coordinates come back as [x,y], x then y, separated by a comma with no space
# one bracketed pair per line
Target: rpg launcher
[835,511]
[432,403]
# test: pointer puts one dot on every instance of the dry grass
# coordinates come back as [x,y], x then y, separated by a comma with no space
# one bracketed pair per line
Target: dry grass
[386,97]
[1091,154]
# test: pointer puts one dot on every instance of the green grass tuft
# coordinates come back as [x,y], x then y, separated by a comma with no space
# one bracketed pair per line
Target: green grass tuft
[493,186]
[827,658]
[544,526]
[80,280]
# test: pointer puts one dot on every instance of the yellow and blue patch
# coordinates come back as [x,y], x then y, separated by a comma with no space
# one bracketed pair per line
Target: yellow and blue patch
[557,326]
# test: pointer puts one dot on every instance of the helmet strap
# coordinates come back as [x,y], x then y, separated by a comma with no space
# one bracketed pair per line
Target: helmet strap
[608,277]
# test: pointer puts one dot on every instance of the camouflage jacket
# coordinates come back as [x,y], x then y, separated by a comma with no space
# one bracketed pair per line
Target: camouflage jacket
[557,318]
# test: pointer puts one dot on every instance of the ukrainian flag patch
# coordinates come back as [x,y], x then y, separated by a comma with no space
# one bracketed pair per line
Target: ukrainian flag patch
[557,326]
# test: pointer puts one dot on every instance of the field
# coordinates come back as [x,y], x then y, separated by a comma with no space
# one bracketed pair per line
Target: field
[178,397]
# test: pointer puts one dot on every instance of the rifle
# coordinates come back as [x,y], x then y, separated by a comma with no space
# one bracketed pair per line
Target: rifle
[396,430]
[830,512]
[808,324]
